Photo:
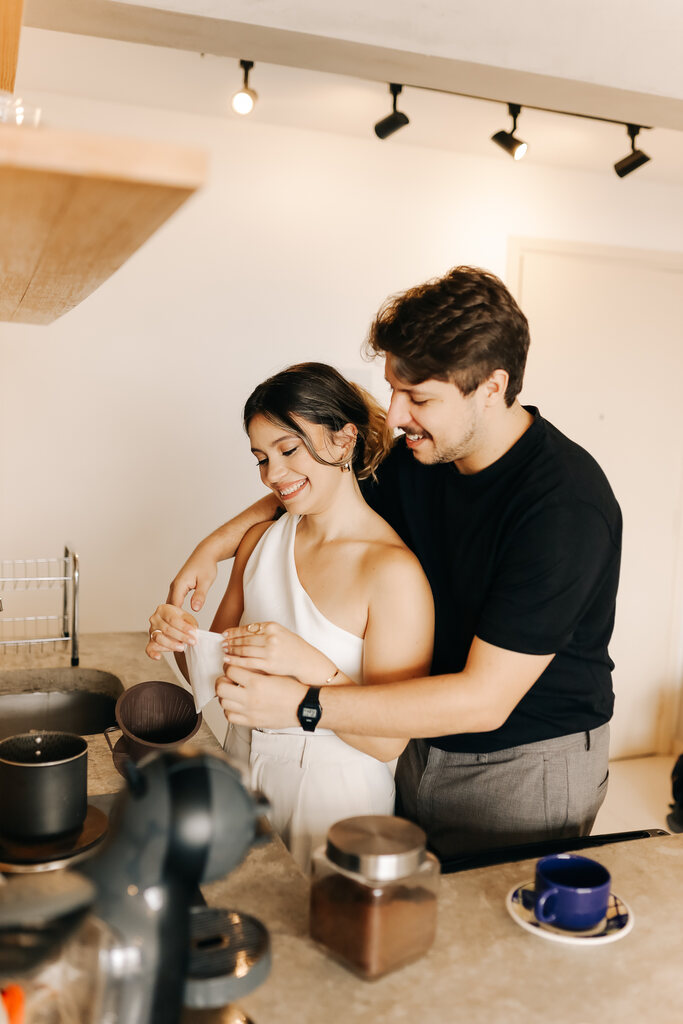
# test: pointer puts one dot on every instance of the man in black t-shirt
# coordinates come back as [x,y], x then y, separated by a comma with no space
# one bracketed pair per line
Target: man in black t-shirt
[519,535]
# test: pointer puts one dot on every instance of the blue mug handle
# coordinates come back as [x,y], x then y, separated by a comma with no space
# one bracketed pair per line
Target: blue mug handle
[539,908]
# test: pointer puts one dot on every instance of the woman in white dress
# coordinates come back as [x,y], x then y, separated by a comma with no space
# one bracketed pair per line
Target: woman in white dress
[328,594]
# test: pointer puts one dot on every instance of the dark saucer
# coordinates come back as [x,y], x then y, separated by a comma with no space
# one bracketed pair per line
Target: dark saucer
[17,856]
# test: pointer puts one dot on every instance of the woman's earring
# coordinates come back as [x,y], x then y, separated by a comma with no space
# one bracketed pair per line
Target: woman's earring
[346,467]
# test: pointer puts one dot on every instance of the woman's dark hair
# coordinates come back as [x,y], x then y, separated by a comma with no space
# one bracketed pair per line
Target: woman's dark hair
[460,327]
[320,394]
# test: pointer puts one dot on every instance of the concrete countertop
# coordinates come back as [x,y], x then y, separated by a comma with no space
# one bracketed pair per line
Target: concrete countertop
[483,968]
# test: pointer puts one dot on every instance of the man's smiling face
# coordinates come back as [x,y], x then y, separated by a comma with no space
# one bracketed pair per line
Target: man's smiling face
[440,423]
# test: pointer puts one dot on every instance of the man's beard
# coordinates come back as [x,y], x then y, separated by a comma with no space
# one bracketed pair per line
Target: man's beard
[449,452]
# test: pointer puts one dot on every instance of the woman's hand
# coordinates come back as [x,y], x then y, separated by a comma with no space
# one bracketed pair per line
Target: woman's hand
[269,647]
[170,629]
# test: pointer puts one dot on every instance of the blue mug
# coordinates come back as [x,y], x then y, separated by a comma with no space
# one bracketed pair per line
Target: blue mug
[572,892]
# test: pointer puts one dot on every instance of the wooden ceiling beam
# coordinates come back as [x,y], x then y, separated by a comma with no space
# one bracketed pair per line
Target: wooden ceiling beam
[11,12]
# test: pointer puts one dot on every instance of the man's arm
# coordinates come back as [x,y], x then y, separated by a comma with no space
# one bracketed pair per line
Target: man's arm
[199,570]
[478,699]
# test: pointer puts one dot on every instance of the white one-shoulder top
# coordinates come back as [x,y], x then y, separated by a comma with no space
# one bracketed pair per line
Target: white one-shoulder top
[273,593]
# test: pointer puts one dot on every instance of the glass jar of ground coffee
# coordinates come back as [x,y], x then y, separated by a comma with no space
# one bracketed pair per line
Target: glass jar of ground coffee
[373,894]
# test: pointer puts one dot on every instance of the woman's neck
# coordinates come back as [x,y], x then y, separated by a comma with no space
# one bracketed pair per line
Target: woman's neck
[340,518]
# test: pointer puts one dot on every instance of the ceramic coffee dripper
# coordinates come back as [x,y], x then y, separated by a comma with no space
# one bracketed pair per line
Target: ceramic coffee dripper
[154,716]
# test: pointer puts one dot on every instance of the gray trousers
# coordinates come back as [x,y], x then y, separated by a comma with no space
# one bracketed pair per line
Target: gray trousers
[466,802]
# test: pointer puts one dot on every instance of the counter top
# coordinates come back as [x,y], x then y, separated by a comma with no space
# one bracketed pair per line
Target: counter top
[483,968]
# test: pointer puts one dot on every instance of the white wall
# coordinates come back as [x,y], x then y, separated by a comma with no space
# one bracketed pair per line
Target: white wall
[120,423]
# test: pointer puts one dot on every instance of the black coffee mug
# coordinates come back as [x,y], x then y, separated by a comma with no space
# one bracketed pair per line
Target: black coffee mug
[43,785]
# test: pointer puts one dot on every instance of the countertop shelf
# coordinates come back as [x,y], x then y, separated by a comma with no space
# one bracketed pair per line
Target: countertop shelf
[74,207]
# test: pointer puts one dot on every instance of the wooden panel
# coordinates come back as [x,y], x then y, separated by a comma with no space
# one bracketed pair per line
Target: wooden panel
[74,208]
[10,30]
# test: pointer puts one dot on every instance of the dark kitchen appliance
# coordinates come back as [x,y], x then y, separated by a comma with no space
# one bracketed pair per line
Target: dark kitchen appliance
[147,947]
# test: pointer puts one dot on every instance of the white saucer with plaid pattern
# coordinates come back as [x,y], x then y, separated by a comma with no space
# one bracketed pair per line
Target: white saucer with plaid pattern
[618,922]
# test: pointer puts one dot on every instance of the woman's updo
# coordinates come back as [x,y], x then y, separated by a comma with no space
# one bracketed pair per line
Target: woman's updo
[319,394]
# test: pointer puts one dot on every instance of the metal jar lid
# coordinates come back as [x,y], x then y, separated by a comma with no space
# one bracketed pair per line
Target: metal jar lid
[378,846]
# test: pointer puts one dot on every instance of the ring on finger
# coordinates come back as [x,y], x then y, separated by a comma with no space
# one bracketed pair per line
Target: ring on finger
[154,633]
[254,627]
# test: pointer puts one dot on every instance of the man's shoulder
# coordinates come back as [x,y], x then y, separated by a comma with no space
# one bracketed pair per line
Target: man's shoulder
[568,474]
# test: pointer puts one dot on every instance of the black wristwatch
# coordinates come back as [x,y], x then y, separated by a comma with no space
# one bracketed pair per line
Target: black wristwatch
[309,711]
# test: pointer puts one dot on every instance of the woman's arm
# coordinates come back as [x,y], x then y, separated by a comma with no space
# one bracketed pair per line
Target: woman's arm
[229,611]
[399,637]
[199,571]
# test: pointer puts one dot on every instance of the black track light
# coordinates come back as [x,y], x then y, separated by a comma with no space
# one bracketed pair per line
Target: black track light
[506,140]
[388,125]
[244,99]
[636,157]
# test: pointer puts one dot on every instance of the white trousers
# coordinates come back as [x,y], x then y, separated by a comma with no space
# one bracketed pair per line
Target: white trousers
[313,781]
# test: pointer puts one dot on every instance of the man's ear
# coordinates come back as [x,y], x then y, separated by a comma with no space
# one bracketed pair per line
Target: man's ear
[495,387]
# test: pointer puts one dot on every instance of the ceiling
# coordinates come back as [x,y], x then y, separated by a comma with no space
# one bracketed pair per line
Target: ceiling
[621,63]
[628,44]
[616,58]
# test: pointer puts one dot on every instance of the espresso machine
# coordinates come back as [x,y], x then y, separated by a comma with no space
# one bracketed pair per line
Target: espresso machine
[127,938]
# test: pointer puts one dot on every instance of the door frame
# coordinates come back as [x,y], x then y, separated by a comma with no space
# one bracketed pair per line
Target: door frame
[669,728]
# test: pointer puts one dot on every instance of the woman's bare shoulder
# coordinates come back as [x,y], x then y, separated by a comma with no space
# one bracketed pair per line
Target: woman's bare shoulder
[389,562]
[251,539]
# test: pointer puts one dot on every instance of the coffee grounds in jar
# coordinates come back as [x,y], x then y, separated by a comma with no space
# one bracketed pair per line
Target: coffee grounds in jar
[372,930]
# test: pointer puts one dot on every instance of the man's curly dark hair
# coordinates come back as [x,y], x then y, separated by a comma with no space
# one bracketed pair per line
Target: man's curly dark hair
[460,327]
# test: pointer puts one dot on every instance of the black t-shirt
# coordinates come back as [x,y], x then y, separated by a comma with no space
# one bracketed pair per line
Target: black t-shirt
[525,555]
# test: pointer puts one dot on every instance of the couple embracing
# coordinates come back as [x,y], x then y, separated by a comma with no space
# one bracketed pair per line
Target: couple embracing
[447,598]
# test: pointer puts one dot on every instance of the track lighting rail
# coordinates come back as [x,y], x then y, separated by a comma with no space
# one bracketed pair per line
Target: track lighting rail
[244,100]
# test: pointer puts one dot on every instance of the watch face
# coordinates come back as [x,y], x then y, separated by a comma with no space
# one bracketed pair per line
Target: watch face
[309,711]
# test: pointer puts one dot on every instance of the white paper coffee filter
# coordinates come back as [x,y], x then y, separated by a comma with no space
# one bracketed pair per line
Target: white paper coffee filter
[205,665]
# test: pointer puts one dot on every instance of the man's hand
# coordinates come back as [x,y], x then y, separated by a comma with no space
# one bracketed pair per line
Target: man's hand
[263,702]
[270,647]
[198,574]
[170,629]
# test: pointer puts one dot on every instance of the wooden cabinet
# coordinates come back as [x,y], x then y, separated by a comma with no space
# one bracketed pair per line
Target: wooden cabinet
[74,207]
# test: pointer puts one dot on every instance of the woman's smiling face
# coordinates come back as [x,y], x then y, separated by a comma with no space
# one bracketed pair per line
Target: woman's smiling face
[286,466]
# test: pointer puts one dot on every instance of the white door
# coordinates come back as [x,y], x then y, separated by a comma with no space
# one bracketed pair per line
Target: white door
[606,367]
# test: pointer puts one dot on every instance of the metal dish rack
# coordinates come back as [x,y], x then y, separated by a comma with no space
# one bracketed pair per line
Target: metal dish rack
[40,632]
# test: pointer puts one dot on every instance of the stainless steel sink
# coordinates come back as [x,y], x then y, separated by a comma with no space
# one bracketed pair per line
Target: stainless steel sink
[79,700]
